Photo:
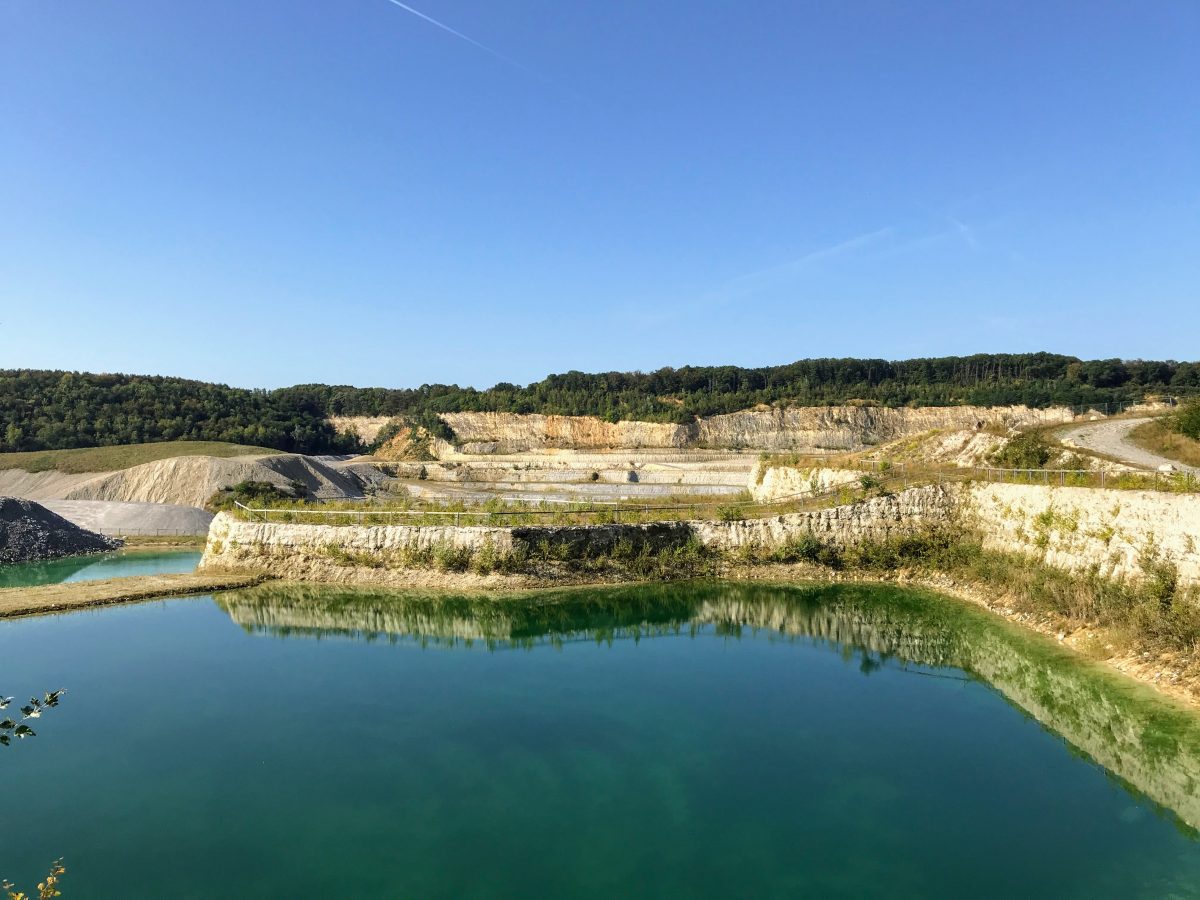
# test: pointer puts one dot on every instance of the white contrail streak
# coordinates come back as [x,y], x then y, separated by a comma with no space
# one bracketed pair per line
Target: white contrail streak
[459,35]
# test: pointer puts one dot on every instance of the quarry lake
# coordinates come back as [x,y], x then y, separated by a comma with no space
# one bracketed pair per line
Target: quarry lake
[699,740]
[95,566]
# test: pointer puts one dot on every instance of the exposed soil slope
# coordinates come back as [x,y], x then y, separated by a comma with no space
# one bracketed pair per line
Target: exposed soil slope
[46,485]
[192,480]
[29,531]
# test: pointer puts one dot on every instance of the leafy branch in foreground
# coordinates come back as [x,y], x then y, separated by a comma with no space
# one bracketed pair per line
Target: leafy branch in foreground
[10,729]
[46,889]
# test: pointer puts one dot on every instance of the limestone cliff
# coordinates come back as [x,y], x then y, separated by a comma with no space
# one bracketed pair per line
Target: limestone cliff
[1113,531]
[511,433]
[802,428]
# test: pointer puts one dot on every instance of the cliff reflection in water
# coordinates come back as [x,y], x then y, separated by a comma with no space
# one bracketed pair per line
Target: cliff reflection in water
[1149,743]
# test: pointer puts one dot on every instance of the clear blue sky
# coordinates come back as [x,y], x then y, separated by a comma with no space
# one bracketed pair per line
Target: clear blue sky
[281,191]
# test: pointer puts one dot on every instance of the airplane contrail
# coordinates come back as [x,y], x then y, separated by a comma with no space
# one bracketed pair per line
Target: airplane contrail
[460,35]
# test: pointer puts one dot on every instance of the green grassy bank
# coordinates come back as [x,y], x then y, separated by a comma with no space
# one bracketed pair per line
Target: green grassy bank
[112,459]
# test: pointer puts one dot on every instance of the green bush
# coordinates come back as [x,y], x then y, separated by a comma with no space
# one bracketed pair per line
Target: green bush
[1187,420]
[1028,450]
[807,548]
[252,493]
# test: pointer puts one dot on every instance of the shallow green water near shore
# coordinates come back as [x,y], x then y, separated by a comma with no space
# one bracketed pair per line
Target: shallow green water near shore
[95,566]
[703,740]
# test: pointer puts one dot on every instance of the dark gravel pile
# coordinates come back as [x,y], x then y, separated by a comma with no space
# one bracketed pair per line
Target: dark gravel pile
[30,531]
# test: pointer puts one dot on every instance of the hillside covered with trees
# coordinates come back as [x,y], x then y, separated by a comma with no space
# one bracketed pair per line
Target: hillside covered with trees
[43,410]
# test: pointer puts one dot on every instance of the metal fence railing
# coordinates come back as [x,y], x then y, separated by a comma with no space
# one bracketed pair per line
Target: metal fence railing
[878,476]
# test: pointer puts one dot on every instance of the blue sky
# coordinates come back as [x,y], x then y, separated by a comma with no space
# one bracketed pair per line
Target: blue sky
[266,193]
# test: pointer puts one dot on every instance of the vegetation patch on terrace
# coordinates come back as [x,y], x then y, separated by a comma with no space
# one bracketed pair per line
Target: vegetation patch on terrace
[515,513]
[1024,460]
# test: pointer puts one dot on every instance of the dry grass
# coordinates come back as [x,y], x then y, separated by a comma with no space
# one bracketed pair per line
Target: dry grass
[1157,438]
[159,541]
[111,459]
[48,598]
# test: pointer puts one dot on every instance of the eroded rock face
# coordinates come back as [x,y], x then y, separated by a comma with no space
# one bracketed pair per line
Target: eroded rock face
[365,428]
[876,519]
[801,428]
[29,531]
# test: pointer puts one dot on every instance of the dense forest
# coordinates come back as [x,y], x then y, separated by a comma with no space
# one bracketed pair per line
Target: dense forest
[61,410]
[41,410]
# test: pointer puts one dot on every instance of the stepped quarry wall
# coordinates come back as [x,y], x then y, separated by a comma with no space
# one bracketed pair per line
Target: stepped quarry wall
[804,428]
[854,427]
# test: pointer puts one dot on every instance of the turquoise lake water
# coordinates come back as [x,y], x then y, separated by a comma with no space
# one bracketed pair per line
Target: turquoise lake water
[701,740]
[99,565]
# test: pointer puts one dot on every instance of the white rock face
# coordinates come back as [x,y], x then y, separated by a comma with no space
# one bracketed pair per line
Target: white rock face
[781,482]
[1077,528]
[876,519]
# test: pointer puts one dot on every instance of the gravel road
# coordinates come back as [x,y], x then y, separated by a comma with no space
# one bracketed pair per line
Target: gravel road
[1112,438]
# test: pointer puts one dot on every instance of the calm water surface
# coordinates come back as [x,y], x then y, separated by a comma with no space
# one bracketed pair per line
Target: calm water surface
[99,565]
[692,740]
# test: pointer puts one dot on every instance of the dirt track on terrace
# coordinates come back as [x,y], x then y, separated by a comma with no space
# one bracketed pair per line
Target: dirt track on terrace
[1112,439]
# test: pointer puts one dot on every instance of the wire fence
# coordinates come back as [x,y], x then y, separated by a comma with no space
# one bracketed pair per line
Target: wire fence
[1171,482]
[1120,408]
[149,532]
